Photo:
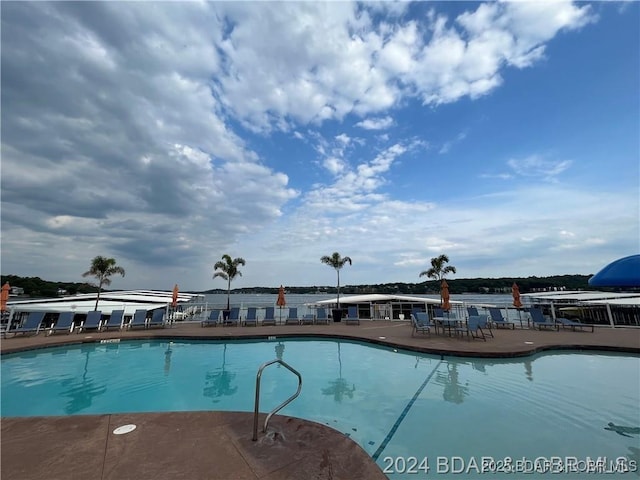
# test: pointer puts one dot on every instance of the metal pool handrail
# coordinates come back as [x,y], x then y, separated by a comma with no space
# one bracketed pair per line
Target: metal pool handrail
[279,407]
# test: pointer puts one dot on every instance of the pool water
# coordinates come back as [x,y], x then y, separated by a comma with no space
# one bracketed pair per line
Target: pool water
[446,413]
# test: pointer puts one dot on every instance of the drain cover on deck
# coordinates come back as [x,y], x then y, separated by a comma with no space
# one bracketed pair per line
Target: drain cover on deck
[124,429]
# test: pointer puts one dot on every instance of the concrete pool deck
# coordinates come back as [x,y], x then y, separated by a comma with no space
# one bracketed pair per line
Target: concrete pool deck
[218,445]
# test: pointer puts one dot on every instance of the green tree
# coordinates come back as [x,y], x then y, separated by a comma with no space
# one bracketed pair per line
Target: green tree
[102,268]
[438,269]
[336,261]
[227,268]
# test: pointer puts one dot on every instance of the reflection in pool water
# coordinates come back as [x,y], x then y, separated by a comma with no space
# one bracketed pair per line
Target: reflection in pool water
[395,404]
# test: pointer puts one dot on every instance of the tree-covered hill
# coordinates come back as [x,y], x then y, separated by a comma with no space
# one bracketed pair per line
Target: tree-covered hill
[37,287]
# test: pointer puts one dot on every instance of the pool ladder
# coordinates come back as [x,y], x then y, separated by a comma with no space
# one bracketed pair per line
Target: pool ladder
[279,407]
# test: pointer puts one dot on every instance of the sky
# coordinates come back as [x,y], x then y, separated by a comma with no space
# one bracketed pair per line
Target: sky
[505,135]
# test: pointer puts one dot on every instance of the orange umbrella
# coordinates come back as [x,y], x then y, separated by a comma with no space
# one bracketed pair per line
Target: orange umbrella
[281,302]
[444,293]
[174,297]
[5,296]
[515,291]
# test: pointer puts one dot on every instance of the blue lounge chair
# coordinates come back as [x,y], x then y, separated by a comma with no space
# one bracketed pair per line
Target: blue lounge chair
[307,319]
[498,320]
[233,319]
[472,311]
[115,320]
[538,319]
[292,317]
[472,328]
[252,317]
[64,323]
[566,323]
[31,325]
[157,318]
[212,319]
[269,316]
[93,321]
[352,316]
[139,319]
[485,325]
[421,323]
[321,316]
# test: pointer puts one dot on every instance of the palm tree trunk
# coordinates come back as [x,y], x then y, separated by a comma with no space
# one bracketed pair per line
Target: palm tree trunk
[95,309]
[338,289]
[228,294]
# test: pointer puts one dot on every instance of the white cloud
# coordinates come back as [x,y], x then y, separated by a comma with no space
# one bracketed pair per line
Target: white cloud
[538,166]
[376,123]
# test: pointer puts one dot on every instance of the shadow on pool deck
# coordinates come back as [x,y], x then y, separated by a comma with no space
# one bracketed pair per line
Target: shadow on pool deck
[218,445]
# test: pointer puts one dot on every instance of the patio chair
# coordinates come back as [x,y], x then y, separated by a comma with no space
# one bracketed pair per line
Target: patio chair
[157,318]
[567,323]
[307,319]
[115,320]
[233,320]
[485,325]
[31,325]
[212,319]
[539,320]
[321,316]
[472,328]
[139,319]
[352,316]
[252,317]
[64,323]
[93,321]
[498,320]
[292,317]
[472,311]
[269,316]
[421,323]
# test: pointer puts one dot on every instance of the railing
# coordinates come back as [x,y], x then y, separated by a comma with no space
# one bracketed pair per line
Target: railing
[279,407]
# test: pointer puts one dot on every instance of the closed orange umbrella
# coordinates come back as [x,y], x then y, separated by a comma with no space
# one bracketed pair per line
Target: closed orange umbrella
[515,291]
[4,296]
[444,293]
[281,302]
[174,296]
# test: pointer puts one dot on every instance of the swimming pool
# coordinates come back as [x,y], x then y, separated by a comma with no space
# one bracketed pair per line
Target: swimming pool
[399,406]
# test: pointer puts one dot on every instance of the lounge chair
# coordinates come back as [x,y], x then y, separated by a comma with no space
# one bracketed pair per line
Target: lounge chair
[352,316]
[157,318]
[233,319]
[307,319]
[539,320]
[321,316]
[212,319]
[498,320]
[472,311]
[485,325]
[31,325]
[567,323]
[472,328]
[292,317]
[93,321]
[269,316]
[115,320]
[252,317]
[139,319]
[421,323]
[64,323]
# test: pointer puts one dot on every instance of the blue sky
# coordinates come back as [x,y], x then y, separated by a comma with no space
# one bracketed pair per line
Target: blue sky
[505,135]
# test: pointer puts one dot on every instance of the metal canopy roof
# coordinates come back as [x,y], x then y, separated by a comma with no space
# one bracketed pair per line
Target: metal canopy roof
[380,298]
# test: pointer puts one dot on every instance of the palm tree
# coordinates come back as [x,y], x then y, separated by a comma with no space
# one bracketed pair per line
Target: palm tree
[102,268]
[227,268]
[438,269]
[337,262]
